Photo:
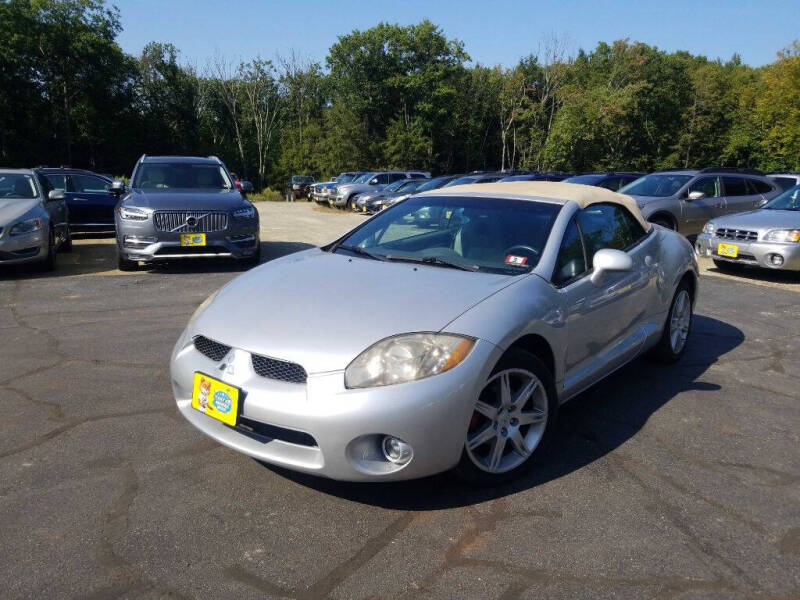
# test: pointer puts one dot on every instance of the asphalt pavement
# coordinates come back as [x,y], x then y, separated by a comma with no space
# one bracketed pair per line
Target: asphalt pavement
[664,482]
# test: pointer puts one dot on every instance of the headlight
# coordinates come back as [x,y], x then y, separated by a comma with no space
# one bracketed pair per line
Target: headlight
[26,226]
[131,213]
[248,212]
[406,358]
[709,228]
[782,235]
[296,186]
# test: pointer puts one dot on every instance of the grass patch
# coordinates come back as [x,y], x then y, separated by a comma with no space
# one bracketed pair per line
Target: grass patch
[266,195]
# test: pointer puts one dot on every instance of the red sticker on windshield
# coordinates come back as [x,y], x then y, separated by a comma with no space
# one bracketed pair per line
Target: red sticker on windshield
[513,259]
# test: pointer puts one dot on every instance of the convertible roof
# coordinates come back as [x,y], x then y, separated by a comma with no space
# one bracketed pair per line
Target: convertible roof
[583,195]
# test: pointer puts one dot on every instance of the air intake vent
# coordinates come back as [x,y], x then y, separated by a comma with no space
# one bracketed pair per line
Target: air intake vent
[213,350]
[278,369]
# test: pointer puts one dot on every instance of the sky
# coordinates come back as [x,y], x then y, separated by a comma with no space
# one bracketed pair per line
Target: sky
[493,32]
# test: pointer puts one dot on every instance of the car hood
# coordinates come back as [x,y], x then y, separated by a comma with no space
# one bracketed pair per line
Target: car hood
[321,310]
[12,209]
[185,199]
[761,219]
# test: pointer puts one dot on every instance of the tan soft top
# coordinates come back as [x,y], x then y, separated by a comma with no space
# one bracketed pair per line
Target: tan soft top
[584,195]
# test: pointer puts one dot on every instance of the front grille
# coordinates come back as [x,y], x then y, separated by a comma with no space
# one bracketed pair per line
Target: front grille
[738,234]
[278,369]
[175,221]
[213,350]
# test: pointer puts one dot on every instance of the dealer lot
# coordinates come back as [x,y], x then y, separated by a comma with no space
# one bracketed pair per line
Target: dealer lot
[664,482]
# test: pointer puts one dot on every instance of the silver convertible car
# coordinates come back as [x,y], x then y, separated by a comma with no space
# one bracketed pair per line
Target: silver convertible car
[487,306]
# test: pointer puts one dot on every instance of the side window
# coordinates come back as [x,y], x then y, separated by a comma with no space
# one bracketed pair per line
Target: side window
[760,187]
[396,177]
[708,185]
[735,186]
[46,186]
[381,179]
[571,261]
[59,182]
[608,226]
[89,184]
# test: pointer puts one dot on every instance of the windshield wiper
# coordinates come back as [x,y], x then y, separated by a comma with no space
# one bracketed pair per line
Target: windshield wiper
[360,251]
[433,260]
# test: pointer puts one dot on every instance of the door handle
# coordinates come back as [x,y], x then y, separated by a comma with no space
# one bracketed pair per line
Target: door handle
[80,200]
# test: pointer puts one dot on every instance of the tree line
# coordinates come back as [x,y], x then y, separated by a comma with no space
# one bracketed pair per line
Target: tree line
[390,96]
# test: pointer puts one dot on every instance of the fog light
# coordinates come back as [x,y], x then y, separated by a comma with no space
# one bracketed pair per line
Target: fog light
[776,260]
[396,450]
[134,241]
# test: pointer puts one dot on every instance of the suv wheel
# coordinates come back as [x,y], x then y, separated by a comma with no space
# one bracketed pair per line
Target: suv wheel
[123,264]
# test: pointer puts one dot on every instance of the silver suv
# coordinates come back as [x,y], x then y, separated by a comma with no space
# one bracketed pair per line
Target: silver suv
[684,200]
[347,194]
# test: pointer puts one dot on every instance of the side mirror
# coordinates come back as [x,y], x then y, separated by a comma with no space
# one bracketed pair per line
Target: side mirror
[607,260]
[696,195]
[373,181]
[246,187]
[116,188]
[55,195]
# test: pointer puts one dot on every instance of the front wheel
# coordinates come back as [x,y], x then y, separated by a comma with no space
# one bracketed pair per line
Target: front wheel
[123,264]
[512,423]
[673,340]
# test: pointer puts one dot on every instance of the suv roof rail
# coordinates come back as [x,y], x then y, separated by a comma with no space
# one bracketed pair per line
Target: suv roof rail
[731,170]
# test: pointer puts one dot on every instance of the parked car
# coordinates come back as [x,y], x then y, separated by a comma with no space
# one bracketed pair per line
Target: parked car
[785,180]
[184,207]
[90,203]
[471,334]
[768,237]
[547,176]
[475,178]
[611,181]
[299,187]
[684,200]
[347,193]
[34,221]
[321,192]
[389,197]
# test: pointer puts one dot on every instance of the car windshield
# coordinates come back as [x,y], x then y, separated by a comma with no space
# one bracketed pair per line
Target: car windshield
[157,175]
[433,184]
[660,185]
[17,186]
[395,185]
[344,178]
[363,178]
[788,200]
[493,235]
[409,186]
[584,179]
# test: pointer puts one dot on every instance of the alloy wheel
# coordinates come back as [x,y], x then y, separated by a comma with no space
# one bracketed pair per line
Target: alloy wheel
[679,321]
[508,421]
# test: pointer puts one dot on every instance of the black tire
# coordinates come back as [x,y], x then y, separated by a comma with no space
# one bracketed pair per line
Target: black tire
[50,262]
[468,471]
[66,246]
[728,267]
[664,350]
[123,264]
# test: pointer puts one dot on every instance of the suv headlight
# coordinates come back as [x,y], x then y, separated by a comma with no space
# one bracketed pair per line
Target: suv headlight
[26,226]
[248,212]
[782,235]
[407,357]
[131,213]
[709,228]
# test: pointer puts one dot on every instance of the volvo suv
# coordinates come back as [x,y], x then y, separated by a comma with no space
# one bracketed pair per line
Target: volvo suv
[184,207]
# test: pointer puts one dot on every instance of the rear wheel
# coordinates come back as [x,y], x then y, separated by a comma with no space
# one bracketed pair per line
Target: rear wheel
[675,336]
[512,422]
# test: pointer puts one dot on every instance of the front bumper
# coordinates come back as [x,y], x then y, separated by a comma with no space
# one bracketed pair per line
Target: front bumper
[344,426]
[17,249]
[140,241]
[755,254]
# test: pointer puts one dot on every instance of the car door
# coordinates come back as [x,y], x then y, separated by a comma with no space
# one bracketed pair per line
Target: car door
[739,197]
[606,324]
[94,205]
[56,209]
[696,213]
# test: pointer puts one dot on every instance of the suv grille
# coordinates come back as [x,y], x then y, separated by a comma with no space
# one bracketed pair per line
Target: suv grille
[278,369]
[213,350]
[202,221]
[738,234]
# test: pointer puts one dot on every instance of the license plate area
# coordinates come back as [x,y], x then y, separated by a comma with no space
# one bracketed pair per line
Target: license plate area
[728,250]
[216,399]
[193,239]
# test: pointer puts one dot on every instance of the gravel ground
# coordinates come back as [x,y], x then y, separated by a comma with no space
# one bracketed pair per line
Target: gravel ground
[678,482]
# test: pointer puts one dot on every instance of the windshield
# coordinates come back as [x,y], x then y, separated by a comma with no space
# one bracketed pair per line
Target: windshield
[584,179]
[409,186]
[302,179]
[181,176]
[492,235]
[433,184]
[17,186]
[788,200]
[661,185]
[463,180]
[363,178]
